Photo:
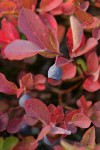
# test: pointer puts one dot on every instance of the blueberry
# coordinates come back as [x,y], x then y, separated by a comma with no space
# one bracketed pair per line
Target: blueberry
[46,141]
[25,130]
[23,98]
[55,72]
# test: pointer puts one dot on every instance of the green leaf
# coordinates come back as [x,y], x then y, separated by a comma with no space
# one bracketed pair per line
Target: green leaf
[66,145]
[1,142]
[82,63]
[10,143]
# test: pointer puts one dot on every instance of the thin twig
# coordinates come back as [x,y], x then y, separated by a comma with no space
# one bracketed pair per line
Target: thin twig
[58,91]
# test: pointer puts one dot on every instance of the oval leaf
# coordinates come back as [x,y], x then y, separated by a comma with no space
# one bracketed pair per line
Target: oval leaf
[83,16]
[77,32]
[36,31]
[15,125]
[88,139]
[81,120]
[37,109]
[6,86]
[47,5]
[10,143]
[3,121]
[20,49]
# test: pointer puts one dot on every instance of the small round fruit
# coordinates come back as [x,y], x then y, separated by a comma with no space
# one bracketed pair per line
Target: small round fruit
[23,98]
[25,130]
[55,72]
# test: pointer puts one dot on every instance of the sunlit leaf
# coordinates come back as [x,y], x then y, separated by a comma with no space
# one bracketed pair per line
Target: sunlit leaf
[83,16]
[37,32]
[20,49]
[47,5]
[88,138]
[10,143]
[77,32]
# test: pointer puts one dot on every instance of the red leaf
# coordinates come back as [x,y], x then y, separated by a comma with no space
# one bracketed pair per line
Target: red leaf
[92,62]
[65,8]
[39,79]
[60,61]
[96,106]
[48,5]
[51,23]
[90,85]
[42,134]
[83,104]
[28,3]
[26,143]
[72,128]
[77,118]
[49,20]
[58,130]
[36,31]
[69,37]
[3,121]
[57,115]
[90,44]
[84,5]
[95,118]
[83,16]
[97,146]
[71,113]
[20,49]
[77,32]
[4,106]
[7,6]
[88,139]
[96,33]
[54,82]
[58,147]
[8,32]
[30,120]
[97,3]
[68,7]
[6,86]
[27,81]
[40,87]
[68,73]
[94,25]
[51,108]
[37,109]
[80,120]
[15,125]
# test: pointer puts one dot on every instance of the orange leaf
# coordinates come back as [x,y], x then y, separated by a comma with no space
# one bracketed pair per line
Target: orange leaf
[28,3]
[83,16]
[89,138]
[7,7]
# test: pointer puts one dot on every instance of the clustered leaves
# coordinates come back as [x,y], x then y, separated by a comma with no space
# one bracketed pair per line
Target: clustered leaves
[31,28]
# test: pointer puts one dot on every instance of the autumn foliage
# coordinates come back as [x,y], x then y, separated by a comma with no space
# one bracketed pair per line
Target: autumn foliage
[49,74]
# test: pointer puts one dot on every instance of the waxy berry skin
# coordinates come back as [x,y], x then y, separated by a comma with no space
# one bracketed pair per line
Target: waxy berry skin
[22,99]
[55,72]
